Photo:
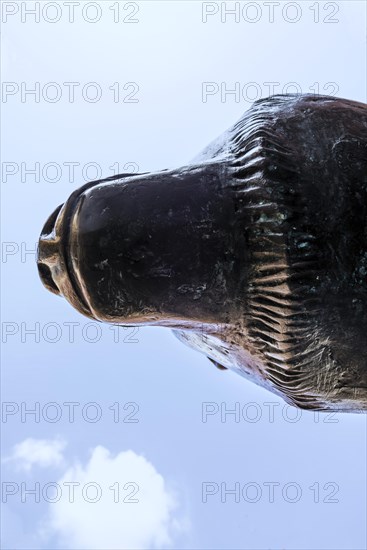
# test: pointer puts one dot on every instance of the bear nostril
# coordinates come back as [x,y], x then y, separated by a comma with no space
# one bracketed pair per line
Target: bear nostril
[50,223]
[46,278]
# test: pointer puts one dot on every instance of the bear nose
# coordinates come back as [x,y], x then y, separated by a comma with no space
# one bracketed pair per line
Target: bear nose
[48,252]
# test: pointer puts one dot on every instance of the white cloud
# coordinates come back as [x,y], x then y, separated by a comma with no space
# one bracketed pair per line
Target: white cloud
[31,452]
[150,522]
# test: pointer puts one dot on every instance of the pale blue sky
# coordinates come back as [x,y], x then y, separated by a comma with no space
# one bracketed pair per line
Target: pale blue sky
[168,53]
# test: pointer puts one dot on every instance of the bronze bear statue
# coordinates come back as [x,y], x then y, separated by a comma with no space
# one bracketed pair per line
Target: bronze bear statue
[255,253]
